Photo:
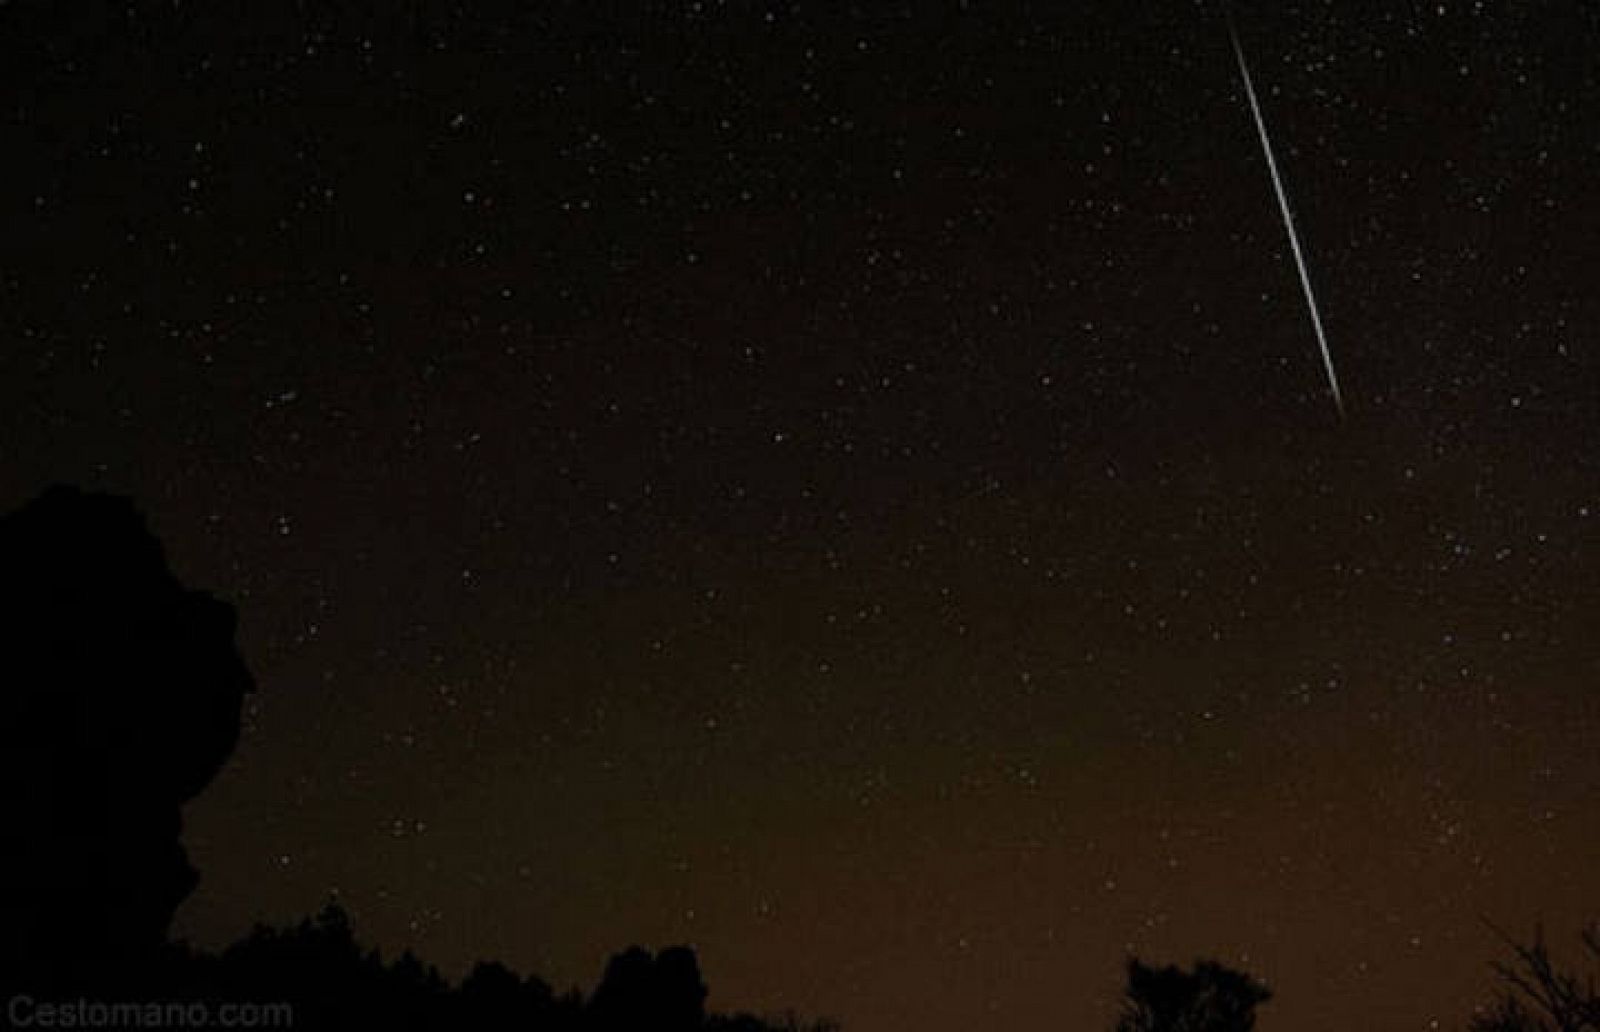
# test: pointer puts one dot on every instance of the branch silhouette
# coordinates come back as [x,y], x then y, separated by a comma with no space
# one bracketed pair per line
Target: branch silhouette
[1539,996]
[1209,998]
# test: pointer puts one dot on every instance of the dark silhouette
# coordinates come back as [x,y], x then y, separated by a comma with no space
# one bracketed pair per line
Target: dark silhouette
[642,992]
[320,970]
[1211,998]
[786,1022]
[1537,996]
[743,1023]
[120,701]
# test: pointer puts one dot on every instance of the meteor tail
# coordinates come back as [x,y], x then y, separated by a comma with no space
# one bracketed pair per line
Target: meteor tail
[1288,218]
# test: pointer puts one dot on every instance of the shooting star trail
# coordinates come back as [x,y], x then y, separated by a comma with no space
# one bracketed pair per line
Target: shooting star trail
[1288,219]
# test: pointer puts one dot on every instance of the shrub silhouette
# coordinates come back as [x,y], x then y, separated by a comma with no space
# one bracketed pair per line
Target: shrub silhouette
[119,702]
[1211,998]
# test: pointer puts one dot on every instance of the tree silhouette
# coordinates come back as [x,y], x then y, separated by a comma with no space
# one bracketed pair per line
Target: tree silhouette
[663,993]
[119,701]
[492,996]
[1537,996]
[1211,998]
[787,1021]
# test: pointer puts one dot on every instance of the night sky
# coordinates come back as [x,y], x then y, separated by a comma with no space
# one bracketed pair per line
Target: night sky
[854,490]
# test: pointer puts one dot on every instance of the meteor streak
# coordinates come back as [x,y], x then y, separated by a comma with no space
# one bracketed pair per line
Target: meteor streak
[1288,219]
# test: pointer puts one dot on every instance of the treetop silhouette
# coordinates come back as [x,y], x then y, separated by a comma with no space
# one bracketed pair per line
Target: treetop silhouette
[1210,998]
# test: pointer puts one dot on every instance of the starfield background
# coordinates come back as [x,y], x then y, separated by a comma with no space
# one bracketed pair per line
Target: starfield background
[851,488]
